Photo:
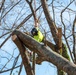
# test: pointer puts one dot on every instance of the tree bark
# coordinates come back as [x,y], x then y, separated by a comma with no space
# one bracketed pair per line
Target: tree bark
[51,23]
[48,54]
[53,28]
[23,53]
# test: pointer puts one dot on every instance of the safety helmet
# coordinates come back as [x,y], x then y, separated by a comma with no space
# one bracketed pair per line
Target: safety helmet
[34,31]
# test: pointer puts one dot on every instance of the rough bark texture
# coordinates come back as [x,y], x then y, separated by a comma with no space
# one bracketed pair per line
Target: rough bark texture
[48,54]
[53,28]
[50,21]
[24,55]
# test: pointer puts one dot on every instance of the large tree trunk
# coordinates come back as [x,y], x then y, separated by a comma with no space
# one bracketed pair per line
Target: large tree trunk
[49,55]
[24,55]
[51,23]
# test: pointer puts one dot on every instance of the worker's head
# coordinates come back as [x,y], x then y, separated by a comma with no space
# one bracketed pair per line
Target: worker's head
[34,31]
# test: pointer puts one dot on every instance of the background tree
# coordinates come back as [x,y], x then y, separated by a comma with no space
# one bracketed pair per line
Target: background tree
[16,14]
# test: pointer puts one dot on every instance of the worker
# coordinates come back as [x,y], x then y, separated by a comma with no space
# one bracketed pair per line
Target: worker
[37,35]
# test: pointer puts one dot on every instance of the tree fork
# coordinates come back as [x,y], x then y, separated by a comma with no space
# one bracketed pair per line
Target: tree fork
[48,54]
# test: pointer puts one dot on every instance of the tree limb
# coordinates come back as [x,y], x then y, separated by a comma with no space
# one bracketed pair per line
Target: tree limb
[48,54]
[50,21]
[24,56]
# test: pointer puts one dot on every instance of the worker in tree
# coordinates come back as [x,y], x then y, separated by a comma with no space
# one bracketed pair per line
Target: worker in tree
[36,33]
[65,52]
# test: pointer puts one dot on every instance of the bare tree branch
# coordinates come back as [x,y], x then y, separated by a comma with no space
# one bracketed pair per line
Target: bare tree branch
[49,55]
[73,30]
[20,25]
[24,56]
[50,21]
[20,68]
[65,26]
[32,9]
[2,4]
[9,69]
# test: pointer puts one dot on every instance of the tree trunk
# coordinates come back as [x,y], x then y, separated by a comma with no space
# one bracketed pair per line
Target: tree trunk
[51,23]
[23,53]
[49,55]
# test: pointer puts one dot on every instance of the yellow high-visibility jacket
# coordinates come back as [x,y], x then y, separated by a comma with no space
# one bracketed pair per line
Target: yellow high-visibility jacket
[39,37]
